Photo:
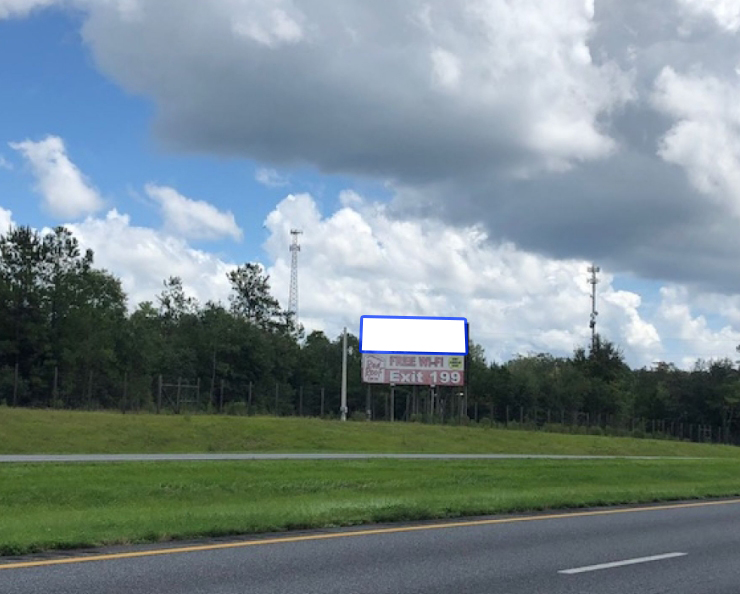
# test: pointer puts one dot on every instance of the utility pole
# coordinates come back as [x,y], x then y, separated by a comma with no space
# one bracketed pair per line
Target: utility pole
[344,375]
[293,300]
[593,281]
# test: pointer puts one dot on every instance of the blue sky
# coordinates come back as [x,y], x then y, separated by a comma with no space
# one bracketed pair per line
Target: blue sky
[54,88]
[430,163]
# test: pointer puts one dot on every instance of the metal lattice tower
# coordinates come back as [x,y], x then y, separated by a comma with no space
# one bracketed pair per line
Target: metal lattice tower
[294,249]
[593,269]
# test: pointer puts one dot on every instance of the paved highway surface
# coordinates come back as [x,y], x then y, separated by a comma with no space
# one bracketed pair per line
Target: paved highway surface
[678,550]
[175,457]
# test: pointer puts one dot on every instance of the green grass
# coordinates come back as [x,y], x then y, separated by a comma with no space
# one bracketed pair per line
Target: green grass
[24,431]
[46,507]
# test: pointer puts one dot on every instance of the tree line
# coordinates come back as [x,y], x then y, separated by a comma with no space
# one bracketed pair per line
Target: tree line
[68,339]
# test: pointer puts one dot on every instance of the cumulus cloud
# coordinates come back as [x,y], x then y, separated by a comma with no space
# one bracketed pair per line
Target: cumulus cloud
[357,88]
[726,13]
[561,129]
[270,23]
[359,261]
[143,258]
[193,219]
[531,118]
[270,178]
[5,164]
[692,333]
[67,193]
[6,220]
[21,8]
[705,140]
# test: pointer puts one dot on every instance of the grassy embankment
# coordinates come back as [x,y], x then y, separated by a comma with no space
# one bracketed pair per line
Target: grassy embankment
[75,505]
[64,432]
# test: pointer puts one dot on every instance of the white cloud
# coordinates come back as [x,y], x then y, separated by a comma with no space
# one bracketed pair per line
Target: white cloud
[446,67]
[270,178]
[66,191]
[359,261]
[268,22]
[350,198]
[193,219]
[524,76]
[6,220]
[692,333]
[726,13]
[705,140]
[22,8]
[143,258]
[5,164]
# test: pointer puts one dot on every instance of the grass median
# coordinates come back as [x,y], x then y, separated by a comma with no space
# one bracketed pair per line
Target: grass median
[62,506]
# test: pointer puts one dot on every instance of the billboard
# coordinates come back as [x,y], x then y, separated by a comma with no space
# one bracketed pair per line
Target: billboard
[413,335]
[413,370]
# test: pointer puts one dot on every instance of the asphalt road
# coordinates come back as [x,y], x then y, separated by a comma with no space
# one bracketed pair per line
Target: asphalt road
[175,457]
[686,550]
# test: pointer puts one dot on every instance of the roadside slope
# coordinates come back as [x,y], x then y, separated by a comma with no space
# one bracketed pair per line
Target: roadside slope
[25,431]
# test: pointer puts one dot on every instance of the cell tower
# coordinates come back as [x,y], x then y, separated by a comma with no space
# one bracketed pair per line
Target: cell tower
[294,249]
[593,269]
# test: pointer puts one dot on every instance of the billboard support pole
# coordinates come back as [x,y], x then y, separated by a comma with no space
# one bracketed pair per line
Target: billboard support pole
[344,375]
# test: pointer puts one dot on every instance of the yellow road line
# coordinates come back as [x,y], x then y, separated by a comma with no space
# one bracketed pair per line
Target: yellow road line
[287,539]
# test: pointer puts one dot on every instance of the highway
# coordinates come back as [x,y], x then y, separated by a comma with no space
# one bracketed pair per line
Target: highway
[676,549]
[43,458]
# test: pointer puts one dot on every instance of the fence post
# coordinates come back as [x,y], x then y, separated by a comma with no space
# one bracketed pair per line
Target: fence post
[55,392]
[89,390]
[15,386]
[179,387]
[125,391]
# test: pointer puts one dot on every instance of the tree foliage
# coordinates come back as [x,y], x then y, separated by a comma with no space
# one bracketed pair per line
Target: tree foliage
[68,338]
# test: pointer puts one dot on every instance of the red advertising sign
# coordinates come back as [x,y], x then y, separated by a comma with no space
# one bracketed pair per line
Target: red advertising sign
[413,370]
